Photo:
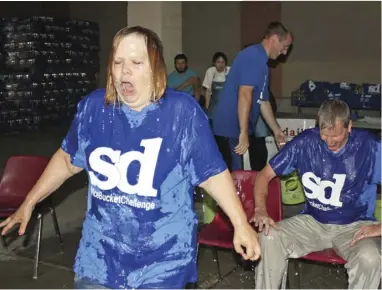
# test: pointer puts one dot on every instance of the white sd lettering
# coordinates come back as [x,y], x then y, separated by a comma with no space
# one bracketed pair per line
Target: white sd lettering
[116,173]
[315,188]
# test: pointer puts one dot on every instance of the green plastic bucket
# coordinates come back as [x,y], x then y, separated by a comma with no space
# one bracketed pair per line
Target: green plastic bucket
[378,210]
[292,190]
[209,208]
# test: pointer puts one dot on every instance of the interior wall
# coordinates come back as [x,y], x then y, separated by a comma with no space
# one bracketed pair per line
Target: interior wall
[54,9]
[208,27]
[171,31]
[255,17]
[334,41]
[10,9]
[145,13]
[165,19]
[20,8]
[111,17]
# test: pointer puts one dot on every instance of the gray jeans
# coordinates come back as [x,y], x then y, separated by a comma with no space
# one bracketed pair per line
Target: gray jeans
[302,234]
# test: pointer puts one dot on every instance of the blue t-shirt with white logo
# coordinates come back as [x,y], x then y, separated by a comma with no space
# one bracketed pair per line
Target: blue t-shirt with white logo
[140,226]
[249,68]
[340,188]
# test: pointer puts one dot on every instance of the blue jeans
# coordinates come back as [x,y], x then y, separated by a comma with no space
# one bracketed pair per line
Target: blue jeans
[227,149]
[237,160]
[86,283]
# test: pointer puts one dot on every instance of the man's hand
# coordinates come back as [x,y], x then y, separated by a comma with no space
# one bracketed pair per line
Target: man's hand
[189,82]
[280,137]
[246,237]
[269,117]
[243,145]
[262,219]
[366,232]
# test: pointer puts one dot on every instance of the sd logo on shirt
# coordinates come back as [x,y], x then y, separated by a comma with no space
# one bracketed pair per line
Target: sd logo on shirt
[117,173]
[315,188]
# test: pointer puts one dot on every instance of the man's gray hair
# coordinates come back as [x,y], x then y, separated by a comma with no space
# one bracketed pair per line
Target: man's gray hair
[331,112]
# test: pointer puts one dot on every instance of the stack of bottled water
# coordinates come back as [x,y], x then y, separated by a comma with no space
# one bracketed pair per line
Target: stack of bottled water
[48,65]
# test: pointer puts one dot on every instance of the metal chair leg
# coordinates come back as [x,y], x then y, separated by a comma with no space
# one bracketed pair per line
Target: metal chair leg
[56,228]
[4,242]
[216,258]
[294,274]
[195,285]
[38,244]
[285,276]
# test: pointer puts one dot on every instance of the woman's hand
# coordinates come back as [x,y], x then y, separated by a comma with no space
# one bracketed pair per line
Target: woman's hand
[21,216]
[246,237]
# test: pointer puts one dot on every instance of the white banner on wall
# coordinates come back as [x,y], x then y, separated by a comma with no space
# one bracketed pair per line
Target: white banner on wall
[291,128]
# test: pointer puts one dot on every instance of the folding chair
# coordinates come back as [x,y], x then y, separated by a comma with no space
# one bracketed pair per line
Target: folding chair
[219,233]
[20,175]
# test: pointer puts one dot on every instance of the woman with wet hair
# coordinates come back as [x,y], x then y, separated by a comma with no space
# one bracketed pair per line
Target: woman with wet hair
[145,147]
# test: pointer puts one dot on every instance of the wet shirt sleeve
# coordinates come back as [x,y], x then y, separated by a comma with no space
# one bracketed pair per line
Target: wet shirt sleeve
[264,95]
[377,165]
[250,72]
[203,159]
[285,161]
[74,142]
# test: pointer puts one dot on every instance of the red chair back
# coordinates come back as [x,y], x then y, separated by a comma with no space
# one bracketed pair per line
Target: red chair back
[20,175]
[219,233]
[245,181]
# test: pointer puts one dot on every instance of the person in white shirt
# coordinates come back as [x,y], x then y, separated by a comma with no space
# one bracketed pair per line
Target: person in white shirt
[214,81]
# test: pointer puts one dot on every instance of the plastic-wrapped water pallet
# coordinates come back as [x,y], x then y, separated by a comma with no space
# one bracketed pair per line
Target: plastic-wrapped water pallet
[49,64]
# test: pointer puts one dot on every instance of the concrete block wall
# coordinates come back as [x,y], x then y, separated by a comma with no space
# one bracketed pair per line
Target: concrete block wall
[209,27]
[334,41]
[171,31]
[164,18]
[111,17]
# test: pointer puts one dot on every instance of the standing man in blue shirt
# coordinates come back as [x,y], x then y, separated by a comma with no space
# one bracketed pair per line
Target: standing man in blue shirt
[246,94]
[183,78]
[340,168]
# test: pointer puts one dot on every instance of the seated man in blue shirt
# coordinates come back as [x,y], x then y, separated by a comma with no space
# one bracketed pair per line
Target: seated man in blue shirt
[183,78]
[340,168]
[245,94]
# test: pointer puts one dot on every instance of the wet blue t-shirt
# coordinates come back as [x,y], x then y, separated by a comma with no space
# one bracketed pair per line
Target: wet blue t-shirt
[249,68]
[140,226]
[340,188]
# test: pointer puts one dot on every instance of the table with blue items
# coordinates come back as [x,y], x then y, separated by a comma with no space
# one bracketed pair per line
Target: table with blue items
[311,94]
